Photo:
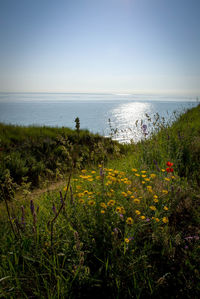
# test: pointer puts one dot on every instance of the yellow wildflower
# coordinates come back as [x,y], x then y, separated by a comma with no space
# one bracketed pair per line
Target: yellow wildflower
[93,171]
[124,194]
[153,208]
[153,175]
[142,217]
[137,212]
[143,175]
[126,240]
[132,196]
[136,200]
[129,220]
[143,182]
[164,191]
[137,174]
[103,205]
[90,180]
[155,196]
[133,169]
[157,220]
[163,170]
[123,211]
[102,212]
[82,200]
[118,210]
[165,208]
[147,179]
[165,220]
[155,200]
[167,179]
[91,202]
[143,171]
[111,203]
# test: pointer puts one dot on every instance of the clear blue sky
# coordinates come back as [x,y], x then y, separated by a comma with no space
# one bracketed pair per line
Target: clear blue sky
[100,46]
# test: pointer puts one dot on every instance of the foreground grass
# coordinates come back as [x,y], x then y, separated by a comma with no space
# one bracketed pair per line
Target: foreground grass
[129,229]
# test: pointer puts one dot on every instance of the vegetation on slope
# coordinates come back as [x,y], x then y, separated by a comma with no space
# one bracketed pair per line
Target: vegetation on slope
[127,229]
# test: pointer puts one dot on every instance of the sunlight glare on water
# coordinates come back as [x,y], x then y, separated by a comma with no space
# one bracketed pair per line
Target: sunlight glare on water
[129,113]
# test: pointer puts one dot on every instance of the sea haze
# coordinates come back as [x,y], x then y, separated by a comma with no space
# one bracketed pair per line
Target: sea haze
[93,110]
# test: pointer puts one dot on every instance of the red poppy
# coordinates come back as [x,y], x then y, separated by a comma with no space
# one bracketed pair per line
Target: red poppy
[169,169]
[170,164]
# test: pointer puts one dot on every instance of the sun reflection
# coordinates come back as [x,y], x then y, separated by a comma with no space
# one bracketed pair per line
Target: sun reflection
[124,117]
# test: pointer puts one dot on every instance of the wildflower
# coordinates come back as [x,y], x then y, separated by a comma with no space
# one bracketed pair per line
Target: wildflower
[167,179]
[118,210]
[32,207]
[136,200]
[143,182]
[102,212]
[91,202]
[164,191]
[155,196]
[169,169]
[153,208]
[82,201]
[133,169]
[129,220]
[111,203]
[169,164]
[126,240]
[153,175]
[123,211]
[157,220]
[124,194]
[165,220]
[155,200]
[165,208]
[142,217]
[143,175]
[147,220]
[147,179]
[90,180]
[137,174]
[137,212]
[83,170]
[103,205]
[93,172]
[163,170]
[143,171]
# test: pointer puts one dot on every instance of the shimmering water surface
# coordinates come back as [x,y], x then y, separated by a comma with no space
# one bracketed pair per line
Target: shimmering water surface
[94,110]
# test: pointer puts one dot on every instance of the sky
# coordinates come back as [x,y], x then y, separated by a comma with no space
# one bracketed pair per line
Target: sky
[120,46]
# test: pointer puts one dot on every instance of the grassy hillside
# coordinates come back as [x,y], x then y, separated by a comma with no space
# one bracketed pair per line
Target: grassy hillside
[125,228]
[36,154]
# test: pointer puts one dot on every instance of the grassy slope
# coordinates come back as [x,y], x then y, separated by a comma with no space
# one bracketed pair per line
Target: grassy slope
[90,257]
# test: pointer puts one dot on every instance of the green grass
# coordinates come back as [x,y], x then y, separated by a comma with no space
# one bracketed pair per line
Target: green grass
[124,229]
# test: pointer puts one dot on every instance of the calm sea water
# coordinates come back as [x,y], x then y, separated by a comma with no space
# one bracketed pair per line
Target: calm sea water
[94,110]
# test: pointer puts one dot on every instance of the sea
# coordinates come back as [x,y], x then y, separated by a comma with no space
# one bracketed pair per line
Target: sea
[121,116]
